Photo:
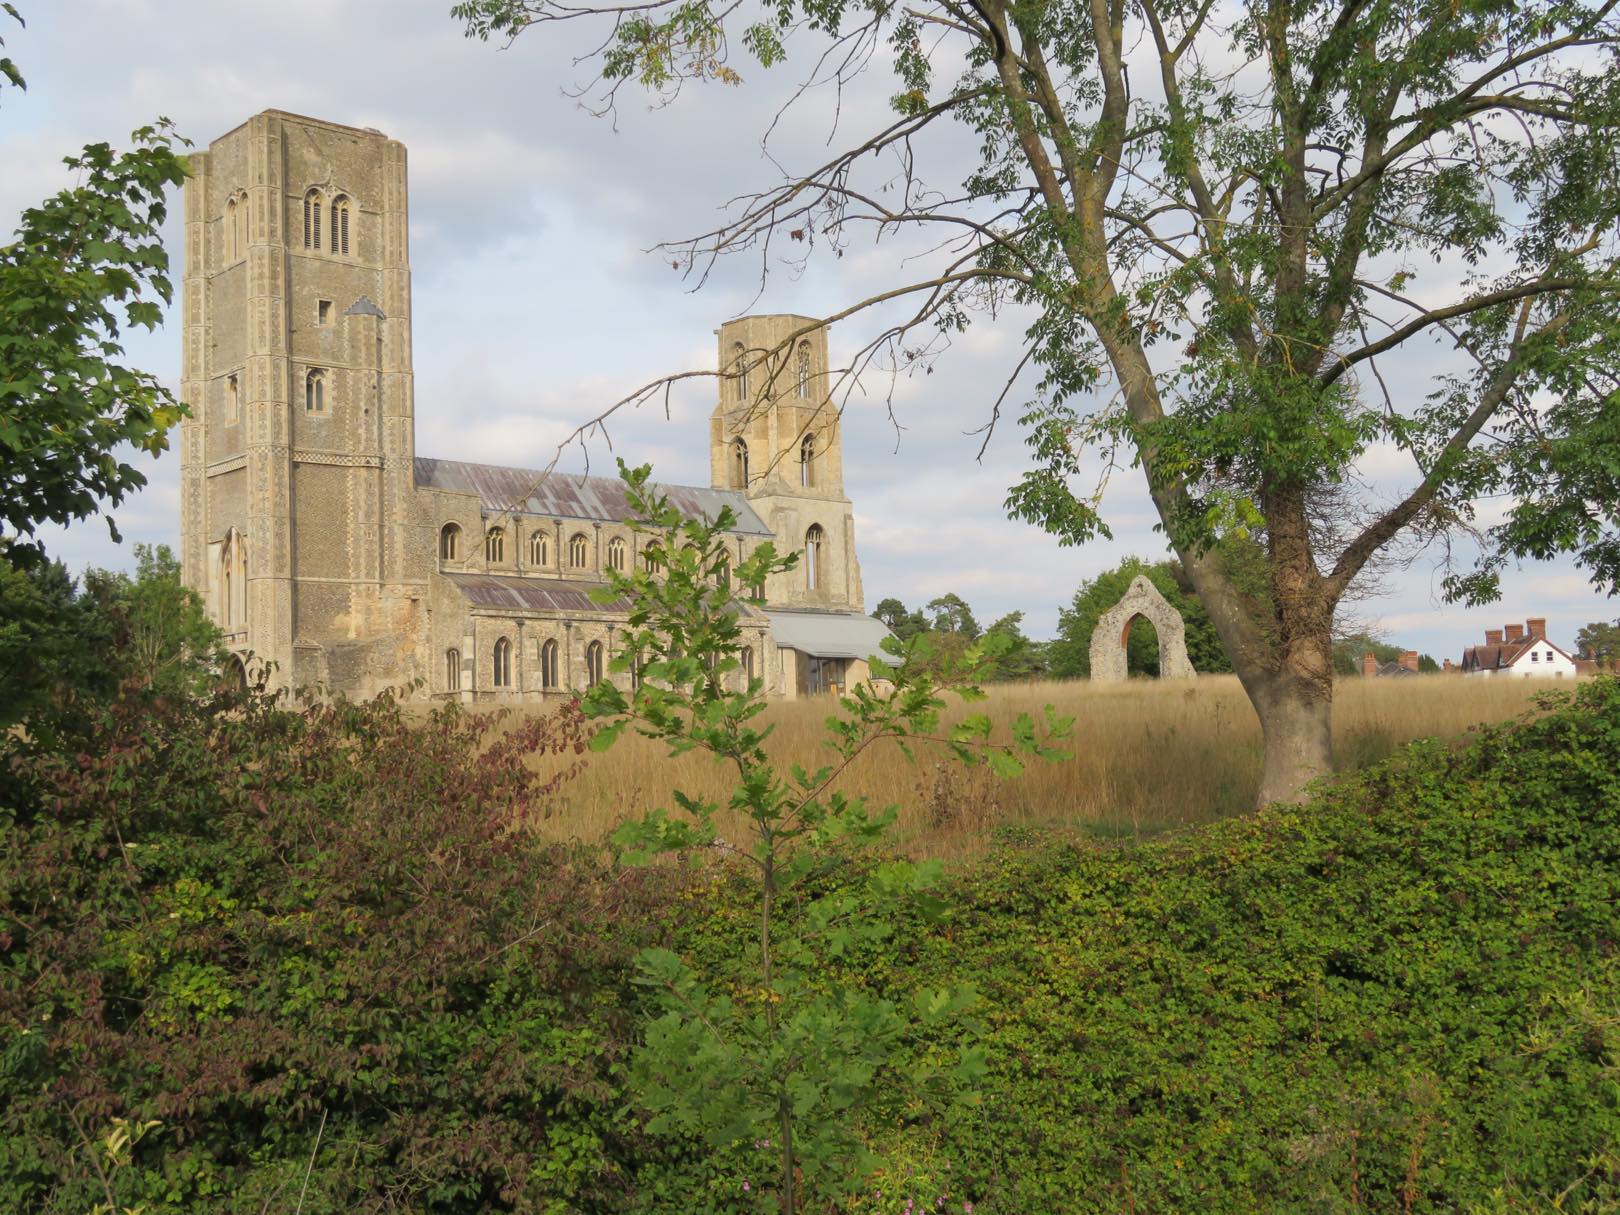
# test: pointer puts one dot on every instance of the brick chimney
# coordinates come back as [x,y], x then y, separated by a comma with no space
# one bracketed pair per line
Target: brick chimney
[1493,636]
[1515,632]
[1369,665]
[1537,626]
[1409,660]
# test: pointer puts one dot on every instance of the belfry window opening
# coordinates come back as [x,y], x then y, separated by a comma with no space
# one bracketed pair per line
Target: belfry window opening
[804,370]
[340,225]
[740,362]
[807,462]
[312,220]
[812,557]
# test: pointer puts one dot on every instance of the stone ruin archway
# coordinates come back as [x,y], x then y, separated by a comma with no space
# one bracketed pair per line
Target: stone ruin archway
[1113,630]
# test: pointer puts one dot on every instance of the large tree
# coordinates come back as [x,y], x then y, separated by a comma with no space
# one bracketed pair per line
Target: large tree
[1256,240]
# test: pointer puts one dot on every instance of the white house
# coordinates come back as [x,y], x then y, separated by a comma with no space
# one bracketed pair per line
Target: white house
[1519,650]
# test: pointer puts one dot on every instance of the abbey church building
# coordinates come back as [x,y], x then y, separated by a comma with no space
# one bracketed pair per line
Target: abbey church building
[326,546]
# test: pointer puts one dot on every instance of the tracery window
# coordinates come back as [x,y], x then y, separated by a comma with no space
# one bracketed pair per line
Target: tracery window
[548,665]
[539,549]
[722,572]
[747,665]
[739,464]
[578,551]
[615,554]
[813,540]
[340,225]
[450,542]
[501,674]
[452,670]
[494,546]
[593,664]
[804,369]
[315,391]
[807,461]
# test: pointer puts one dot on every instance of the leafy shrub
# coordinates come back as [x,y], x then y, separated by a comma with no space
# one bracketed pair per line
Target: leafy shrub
[320,948]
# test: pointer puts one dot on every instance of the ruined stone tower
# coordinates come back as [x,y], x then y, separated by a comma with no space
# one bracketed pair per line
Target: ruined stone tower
[297,520]
[775,435]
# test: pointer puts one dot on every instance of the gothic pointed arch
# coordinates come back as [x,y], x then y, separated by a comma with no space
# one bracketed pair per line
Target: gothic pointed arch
[1108,639]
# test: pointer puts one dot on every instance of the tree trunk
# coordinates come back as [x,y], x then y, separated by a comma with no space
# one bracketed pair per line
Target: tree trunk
[1296,721]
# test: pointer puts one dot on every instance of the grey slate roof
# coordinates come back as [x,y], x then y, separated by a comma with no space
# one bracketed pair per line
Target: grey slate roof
[569,496]
[828,634]
[531,594]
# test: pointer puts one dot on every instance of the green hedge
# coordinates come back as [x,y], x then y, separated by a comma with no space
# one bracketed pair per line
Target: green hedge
[325,944]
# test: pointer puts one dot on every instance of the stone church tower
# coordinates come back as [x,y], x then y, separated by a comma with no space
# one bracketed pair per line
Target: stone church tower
[297,518]
[775,435]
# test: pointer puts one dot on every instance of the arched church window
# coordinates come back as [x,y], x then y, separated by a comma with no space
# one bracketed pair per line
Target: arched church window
[807,461]
[615,554]
[722,573]
[593,664]
[578,551]
[312,220]
[747,665]
[539,549]
[340,225]
[233,401]
[242,225]
[739,464]
[452,670]
[653,557]
[804,369]
[315,391]
[548,665]
[813,542]
[494,546]
[501,674]
[450,542]
[739,361]
[230,232]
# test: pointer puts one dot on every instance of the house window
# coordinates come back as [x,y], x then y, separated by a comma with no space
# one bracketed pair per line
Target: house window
[539,549]
[501,676]
[578,551]
[804,369]
[340,225]
[616,551]
[1535,656]
[323,312]
[548,665]
[494,546]
[452,670]
[450,542]
[807,461]
[739,464]
[312,220]
[315,391]
[813,540]
[593,664]
[233,401]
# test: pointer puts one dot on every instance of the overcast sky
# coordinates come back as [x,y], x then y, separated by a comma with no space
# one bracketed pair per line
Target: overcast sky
[537,301]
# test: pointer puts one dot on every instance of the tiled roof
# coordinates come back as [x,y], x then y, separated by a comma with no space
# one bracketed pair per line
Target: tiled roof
[569,496]
[1503,655]
[530,594]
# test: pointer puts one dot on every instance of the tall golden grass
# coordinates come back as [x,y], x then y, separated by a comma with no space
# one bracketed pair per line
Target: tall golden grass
[1146,756]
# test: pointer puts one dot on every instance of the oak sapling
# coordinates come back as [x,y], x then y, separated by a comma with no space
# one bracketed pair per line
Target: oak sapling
[792,1057]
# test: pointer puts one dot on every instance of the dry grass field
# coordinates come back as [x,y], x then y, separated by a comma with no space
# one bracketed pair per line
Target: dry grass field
[1146,756]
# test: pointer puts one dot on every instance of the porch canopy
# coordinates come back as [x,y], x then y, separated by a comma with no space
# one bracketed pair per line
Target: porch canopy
[828,634]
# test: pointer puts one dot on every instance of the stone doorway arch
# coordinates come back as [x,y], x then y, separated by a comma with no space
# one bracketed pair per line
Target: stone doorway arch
[1113,630]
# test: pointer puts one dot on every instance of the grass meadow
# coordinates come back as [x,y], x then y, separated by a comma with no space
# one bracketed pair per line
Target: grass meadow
[1146,756]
